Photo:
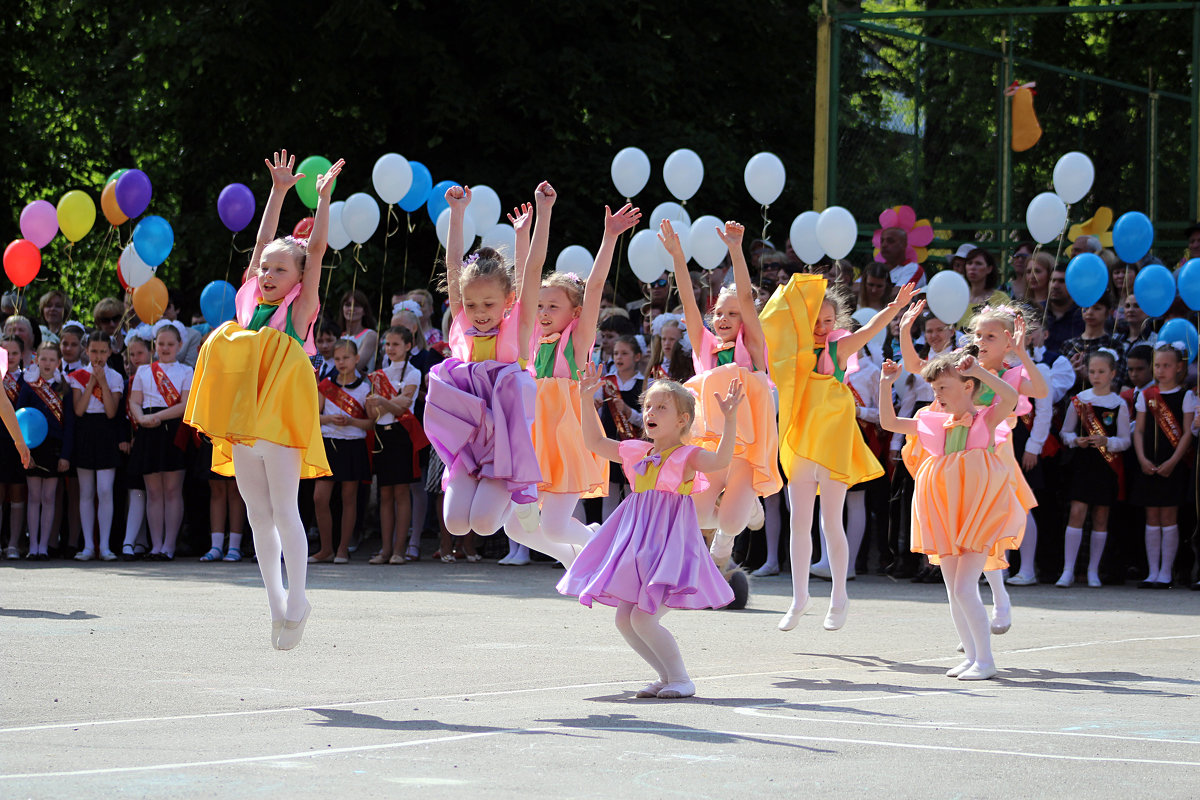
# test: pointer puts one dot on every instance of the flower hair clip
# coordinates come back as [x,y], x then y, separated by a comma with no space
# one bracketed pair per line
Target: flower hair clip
[471,259]
[575,278]
[296,240]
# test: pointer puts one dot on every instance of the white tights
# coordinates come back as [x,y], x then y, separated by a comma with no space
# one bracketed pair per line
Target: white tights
[268,476]
[135,517]
[41,512]
[772,528]
[96,499]
[482,505]
[961,574]
[164,509]
[806,478]
[650,640]
[856,527]
[557,533]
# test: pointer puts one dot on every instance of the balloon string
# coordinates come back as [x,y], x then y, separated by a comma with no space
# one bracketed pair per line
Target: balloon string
[1057,255]
[766,224]
[404,274]
[104,247]
[329,277]
[229,263]
[390,232]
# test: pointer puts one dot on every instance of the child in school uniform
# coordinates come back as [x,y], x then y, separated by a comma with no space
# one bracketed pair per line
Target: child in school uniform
[46,393]
[96,396]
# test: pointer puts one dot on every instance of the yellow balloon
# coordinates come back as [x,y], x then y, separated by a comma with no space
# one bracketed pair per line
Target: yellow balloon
[76,214]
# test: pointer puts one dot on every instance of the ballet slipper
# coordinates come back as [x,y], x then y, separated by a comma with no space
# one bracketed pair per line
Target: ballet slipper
[955,671]
[293,630]
[766,571]
[650,690]
[836,617]
[792,618]
[1066,580]
[978,673]
[276,629]
[821,571]
[677,690]
[1001,621]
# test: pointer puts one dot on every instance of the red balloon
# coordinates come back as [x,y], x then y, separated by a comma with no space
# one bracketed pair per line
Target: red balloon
[22,260]
[303,229]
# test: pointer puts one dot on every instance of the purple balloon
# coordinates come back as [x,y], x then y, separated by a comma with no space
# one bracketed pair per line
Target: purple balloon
[133,193]
[235,204]
[39,222]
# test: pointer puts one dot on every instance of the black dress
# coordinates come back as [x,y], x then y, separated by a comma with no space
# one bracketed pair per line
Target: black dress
[1154,490]
[1093,480]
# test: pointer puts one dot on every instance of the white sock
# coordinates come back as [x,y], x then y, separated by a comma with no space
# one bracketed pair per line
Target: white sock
[1073,538]
[1170,546]
[235,541]
[218,540]
[1098,540]
[1153,551]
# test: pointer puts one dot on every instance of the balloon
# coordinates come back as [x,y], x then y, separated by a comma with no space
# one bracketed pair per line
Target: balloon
[1087,279]
[644,259]
[1154,288]
[22,260]
[133,193]
[304,228]
[442,226]
[306,187]
[33,426]
[338,238]
[39,223]
[131,269]
[360,216]
[804,237]
[575,258]
[1046,217]
[418,192]
[672,211]
[392,177]
[862,316]
[1132,236]
[948,294]
[706,245]
[630,171]
[235,206]
[115,176]
[108,204]
[1188,279]
[501,237]
[1179,330]
[765,177]
[436,203]
[153,240]
[836,232]
[150,301]
[484,209]
[76,214]
[216,302]
[683,173]
[1073,176]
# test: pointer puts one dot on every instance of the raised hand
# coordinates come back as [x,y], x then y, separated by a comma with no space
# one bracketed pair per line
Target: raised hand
[732,234]
[966,365]
[626,217]
[325,182]
[459,197]
[1017,339]
[670,239]
[732,399]
[912,314]
[905,295]
[520,217]
[890,371]
[281,171]
[545,195]
[589,380]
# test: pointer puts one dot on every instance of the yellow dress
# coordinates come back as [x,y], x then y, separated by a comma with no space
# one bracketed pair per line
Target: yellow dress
[252,385]
[567,465]
[816,412]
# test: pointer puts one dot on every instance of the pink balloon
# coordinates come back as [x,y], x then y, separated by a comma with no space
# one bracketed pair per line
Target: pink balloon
[39,222]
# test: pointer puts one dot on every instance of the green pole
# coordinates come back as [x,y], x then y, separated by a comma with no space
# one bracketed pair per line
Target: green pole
[835,57]
[1006,68]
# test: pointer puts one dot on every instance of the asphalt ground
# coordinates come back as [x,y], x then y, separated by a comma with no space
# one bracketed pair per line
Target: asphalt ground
[431,680]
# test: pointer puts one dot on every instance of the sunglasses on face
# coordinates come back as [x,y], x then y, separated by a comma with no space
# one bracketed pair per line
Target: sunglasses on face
[658,284]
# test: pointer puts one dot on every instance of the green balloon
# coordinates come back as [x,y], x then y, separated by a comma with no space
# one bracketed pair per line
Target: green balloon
[114,176]
[311,167]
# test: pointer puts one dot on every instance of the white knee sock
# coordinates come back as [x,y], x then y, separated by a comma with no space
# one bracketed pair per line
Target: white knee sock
[1071,541]
[1153,550]
[218,540]
[1170,546]
[1098,540]
[235,541]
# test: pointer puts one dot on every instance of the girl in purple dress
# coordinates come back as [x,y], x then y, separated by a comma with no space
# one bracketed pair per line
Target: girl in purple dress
[649,556]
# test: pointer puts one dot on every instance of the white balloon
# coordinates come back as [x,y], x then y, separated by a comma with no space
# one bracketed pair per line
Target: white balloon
[338,238]
[575,258]
[804,237]
[134,270]
[836,232]
[392,177]
[683,172]
[1073,177]
[948,294]
[484,208]
[360,216]
[1046,217]
[500,237]
[862,316]
[707,247]
[630,171]
[672,211]
[443,230]
[765,177]
[644,258]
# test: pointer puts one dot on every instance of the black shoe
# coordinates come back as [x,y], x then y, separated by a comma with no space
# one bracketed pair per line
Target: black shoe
[934,575]
[1162,584]
[740,585]
[1195,587]
[1148,584]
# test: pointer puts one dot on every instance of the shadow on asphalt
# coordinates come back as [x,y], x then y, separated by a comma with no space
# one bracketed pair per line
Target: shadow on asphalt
[37,613]
[629,723]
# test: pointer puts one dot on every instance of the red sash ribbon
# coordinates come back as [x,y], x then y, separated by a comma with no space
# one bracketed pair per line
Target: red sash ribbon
[382,385]
[50,398]
[870,432]
[162,381]
[335,394]
[1051,446]
[83,375]
[1163,416]
[12,387]
[612,392]
[1089,422]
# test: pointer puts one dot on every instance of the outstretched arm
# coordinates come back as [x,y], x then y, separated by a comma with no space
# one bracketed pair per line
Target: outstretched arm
[593,434]
[304,307]
[908,351]
[714,462]
[614,225]
[858,340]
[282,180]
[459,197]
[1006,396]
[752,332]
[887,412]
[544,197]
[692,314]
[1035,384]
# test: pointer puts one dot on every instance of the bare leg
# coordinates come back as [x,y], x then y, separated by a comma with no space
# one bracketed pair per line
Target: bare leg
[349,517]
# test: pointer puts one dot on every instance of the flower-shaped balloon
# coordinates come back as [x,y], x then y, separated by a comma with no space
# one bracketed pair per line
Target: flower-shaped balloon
[1097,226]
[920,232]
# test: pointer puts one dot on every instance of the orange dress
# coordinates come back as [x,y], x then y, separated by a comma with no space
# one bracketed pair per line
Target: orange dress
[963,501]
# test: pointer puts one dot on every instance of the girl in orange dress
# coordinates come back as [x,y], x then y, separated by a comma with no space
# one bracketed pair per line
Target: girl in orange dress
[963,502]
[734,349]
[568,309]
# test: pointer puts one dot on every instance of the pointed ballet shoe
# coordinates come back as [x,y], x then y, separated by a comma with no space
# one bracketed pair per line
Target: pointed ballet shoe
[650,690]
[955,671]
[792,618]
[821,571]
[766,571]
[977,673]
[341,560]
[276,629]
[1065,581]
[1001,622]
[836,617]
[674,691]
[293,631]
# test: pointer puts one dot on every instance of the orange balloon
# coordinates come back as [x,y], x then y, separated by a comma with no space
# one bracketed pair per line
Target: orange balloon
[150,301]
[108,204]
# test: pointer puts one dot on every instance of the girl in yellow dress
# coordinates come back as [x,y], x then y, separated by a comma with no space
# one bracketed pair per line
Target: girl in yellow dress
[820,446]
[255,395]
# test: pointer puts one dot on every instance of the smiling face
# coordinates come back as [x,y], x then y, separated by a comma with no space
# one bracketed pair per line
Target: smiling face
[395,347]
[938,335]
[727,318]
[70,345]
[953,393]
[992,340]
[826,322]
[662,420]
[352,312]
[166,344]
[278,273]
[484,303]
[555,311]
[1134,315]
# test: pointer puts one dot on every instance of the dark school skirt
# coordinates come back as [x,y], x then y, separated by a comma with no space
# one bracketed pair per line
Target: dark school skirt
[393,456]
[154,449]
[96,442]
[348,460]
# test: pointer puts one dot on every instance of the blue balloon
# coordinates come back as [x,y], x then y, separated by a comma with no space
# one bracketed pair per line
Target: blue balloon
[216,302]
[1132,236]
[418,193]
[1155,289]
[153,240]
[437,199]
[1188,279]
[1087,279]
[1180,330]
[33,426]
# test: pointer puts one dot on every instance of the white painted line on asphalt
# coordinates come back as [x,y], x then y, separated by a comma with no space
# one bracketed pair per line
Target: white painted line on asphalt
[1114,641]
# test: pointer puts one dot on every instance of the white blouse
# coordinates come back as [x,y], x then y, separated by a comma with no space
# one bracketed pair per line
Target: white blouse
[359,391]
[1115,444]
[143,381]
[410,377]
[115,384]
